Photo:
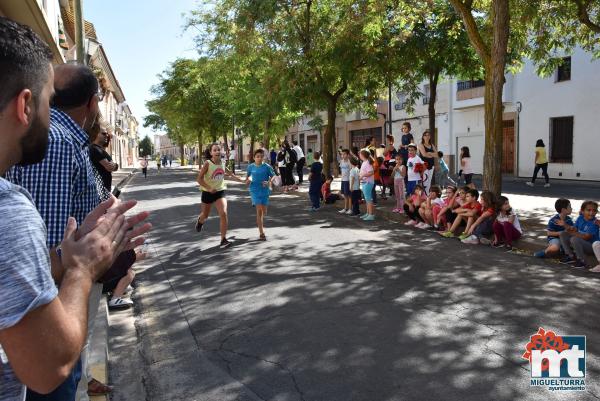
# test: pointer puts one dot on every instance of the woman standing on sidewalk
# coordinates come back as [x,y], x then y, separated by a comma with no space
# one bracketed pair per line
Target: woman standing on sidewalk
[541,163]
[428,153]
[212,182]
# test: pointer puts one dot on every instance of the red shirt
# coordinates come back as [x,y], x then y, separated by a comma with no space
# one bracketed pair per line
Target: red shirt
[473,206]
[326,190]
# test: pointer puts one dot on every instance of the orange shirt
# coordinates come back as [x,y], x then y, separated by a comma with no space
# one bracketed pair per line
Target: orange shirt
[473,206]
[377,174]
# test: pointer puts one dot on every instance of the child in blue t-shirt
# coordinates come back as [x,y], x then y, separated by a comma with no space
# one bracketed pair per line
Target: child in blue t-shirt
[558,223]
[259,178]
[578,243]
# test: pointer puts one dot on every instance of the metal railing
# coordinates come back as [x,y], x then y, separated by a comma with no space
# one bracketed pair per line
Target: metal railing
[465,85]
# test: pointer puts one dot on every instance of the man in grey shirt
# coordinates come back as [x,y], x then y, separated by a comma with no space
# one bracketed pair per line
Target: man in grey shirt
[42,327]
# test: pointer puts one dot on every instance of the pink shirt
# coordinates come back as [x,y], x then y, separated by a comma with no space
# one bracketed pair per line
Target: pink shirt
[366,168]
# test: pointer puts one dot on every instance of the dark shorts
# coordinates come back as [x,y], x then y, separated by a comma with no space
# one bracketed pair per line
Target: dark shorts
[118,270]
[208,197]
[346,188]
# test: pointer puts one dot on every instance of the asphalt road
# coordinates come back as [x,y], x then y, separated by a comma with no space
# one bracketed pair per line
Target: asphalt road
[332,308]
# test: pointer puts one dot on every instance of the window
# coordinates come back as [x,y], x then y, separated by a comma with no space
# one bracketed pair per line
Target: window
[426,91]
[473,83]
[563,73]
[401,101]
[561,140]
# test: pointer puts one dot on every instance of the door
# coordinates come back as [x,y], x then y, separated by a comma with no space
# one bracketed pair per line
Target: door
[508,147]
[475,143]
[311,142]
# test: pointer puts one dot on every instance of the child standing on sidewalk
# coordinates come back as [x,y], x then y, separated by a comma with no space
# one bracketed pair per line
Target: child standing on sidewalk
[506,227]
[345,167]
[577,244]
[316,182]
[368,183]
[355,187]
[413,176]
[399,172]
[557,224]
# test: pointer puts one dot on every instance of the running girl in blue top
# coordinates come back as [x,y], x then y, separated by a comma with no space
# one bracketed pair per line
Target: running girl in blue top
[259,177]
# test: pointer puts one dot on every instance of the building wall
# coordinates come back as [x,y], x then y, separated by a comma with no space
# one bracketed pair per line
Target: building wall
[543,99]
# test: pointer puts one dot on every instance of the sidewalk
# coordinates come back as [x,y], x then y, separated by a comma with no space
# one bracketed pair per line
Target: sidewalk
[534,211]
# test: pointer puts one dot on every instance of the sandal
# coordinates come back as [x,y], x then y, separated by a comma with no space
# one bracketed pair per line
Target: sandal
[96,388]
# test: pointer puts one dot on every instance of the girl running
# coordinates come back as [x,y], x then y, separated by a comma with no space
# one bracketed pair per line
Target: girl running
[212,182]
[259,177]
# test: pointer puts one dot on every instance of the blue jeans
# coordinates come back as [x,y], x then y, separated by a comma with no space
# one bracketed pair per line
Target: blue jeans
[65,392]
[410,187]
[315,198]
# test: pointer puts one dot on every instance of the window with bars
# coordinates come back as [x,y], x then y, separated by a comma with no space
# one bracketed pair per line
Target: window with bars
[426,94]
[563,73]
[470,84]
[561,140]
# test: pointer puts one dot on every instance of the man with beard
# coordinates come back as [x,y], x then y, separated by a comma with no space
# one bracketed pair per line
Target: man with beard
[42,328]
[64,185]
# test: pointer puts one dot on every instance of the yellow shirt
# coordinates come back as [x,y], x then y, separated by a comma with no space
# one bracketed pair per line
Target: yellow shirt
[541,157]
[215,177]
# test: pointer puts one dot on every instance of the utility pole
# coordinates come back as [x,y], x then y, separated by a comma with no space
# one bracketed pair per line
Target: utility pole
[79,31]
[390,107]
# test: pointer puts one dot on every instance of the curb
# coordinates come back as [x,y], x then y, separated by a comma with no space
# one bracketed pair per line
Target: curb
[99,348]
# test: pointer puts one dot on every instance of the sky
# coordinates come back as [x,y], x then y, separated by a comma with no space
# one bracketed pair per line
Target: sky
[141,38]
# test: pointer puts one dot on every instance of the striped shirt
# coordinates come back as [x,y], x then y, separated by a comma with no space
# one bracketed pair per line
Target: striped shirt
[63,184]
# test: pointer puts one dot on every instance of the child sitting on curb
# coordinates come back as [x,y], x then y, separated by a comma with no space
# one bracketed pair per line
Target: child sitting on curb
[440,219]
[328,196]
[467,213]
[412,205]
[578,244]
[558,223]
[482,226]
[434,200]
[507,227]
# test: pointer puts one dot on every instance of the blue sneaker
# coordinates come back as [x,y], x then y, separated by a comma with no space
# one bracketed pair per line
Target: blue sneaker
[364,216]
[369,217]
[540,254]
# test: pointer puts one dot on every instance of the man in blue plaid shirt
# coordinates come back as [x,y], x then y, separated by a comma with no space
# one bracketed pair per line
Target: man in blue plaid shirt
[64,184]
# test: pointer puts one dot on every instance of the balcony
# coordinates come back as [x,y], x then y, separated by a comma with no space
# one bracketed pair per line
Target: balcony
[471,89]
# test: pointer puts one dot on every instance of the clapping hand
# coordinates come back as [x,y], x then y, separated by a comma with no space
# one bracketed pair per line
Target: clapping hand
[103,235]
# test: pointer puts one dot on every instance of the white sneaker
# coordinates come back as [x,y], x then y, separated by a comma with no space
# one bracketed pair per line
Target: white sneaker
[120,303]
[349,211]
[410,223]
[472,240]
[531,184]
[595,269]
[342,211]
[422,225]
[547,185]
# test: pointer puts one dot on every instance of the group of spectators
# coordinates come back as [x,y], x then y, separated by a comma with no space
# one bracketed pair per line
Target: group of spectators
[65,237]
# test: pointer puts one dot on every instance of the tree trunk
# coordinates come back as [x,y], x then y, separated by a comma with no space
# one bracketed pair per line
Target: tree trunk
[200,148]
[329,134]
[266,134]
[433,81]
[494,84]
[182,150]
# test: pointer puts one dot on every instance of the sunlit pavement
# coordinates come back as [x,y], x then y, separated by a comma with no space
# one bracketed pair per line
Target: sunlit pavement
[333,308]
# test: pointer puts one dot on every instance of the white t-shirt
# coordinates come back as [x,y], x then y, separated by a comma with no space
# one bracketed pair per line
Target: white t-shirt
[412,175]
[516,222]
[345,167]
[299,152]
[355,174]
[467,168]
[438,201]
